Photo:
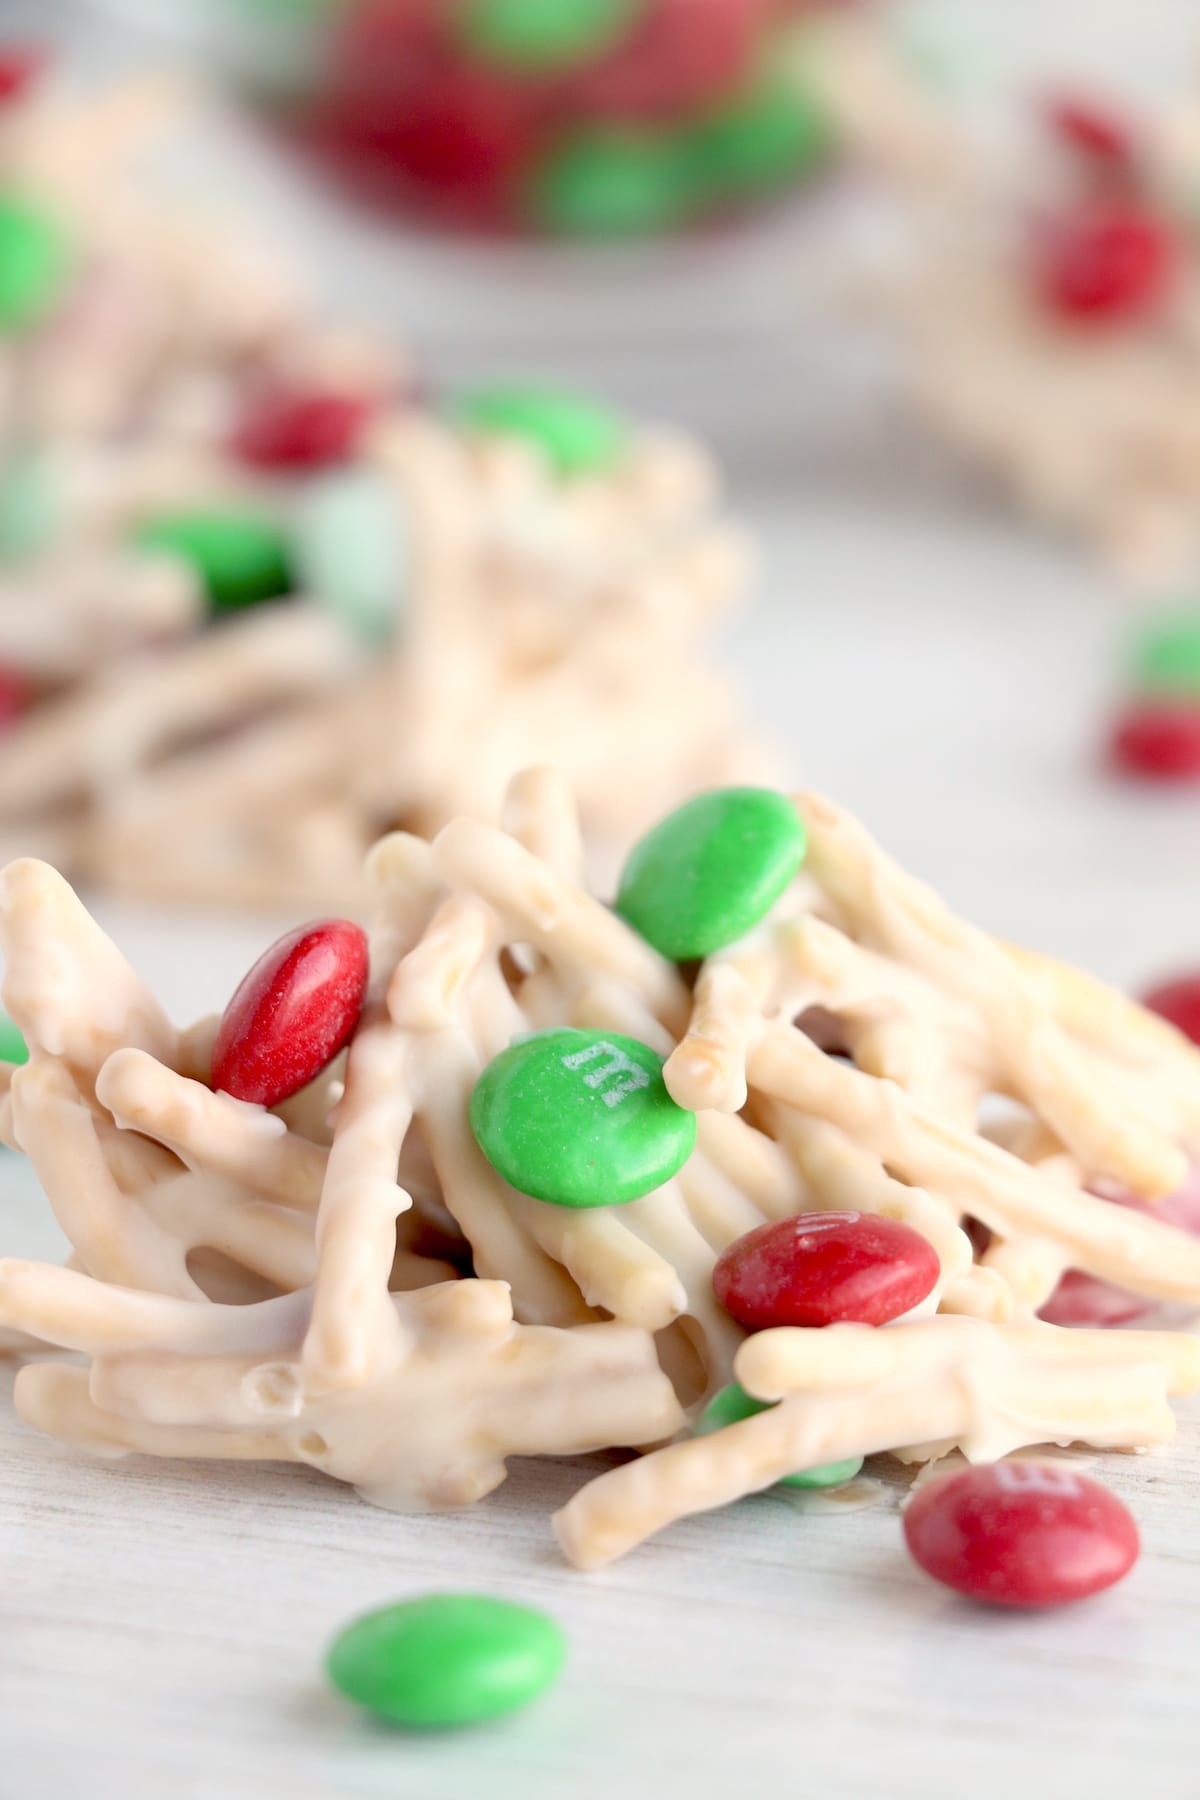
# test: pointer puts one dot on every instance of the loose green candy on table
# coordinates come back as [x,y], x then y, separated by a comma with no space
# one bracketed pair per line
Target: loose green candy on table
[352,552]
[577,436]
[447,1659]
[13,1048]
[711,870]
[35,263]
[541,36]
[240,557]
[733,1404]
[1166,652]
[614,182]
[580,1118]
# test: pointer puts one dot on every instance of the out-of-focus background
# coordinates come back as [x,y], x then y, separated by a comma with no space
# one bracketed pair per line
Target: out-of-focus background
[941,664]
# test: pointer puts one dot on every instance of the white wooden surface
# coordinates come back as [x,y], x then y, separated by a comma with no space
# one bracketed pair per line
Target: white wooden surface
[161,1626]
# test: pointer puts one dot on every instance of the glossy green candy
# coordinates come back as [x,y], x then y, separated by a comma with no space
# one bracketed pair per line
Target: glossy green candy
[733,1404]
[577,436]
[580,1118]
[35,262]
[767,138]
[352,552]
[13,1048]
[542,35]
[1166,652]
[240,557]
[614,182]
[447,1659]
[711,870]
[29,505]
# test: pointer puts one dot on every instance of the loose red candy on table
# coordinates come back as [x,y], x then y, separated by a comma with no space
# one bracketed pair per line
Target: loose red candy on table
[292,1013]
[1104,267]
[1021,1534]
[1158,741]
[825,1269]
[299,431]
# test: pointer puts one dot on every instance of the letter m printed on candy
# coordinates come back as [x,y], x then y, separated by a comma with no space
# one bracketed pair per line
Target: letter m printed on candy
[616,1063]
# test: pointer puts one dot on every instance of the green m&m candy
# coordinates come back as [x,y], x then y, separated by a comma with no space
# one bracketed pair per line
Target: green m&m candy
[580,1118]
[240,557]
[352,552]
[733,1404]
[1166,652]
[767,138]
[711,870]
[540,36]
[447,1659]
[13,1048]
[616,181]
[35,262]
[576,436]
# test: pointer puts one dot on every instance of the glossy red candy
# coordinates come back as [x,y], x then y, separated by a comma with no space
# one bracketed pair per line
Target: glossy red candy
[1105,267]
[292,1013]
[1091,128]
[299,431]
[1085,1300]
[1178,1002]
[1022,1533]
[823,1269]
[1158,741]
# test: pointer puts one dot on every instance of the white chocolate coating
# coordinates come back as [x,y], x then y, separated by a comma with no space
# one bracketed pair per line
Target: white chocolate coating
[536,613]
[289,1284]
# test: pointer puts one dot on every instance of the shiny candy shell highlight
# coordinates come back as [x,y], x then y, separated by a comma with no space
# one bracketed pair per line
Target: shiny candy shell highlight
[733,1404]
[825,1269]
[447,1660]
[291,1015]
[711,870]
[580,1118]
[1021,1534]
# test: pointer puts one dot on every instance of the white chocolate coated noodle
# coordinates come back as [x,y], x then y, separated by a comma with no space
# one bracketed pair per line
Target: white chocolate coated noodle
[346,1281]
[536,613]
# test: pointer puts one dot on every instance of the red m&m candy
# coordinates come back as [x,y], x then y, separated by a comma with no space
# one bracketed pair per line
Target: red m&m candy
[1021,1534]
[1158,740]
[19,67]
[1104,267]
[1085,1300]
[825,1269]
[13,696]
[1091,128]
[299,431]
[1178,1002]
[292,1013]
